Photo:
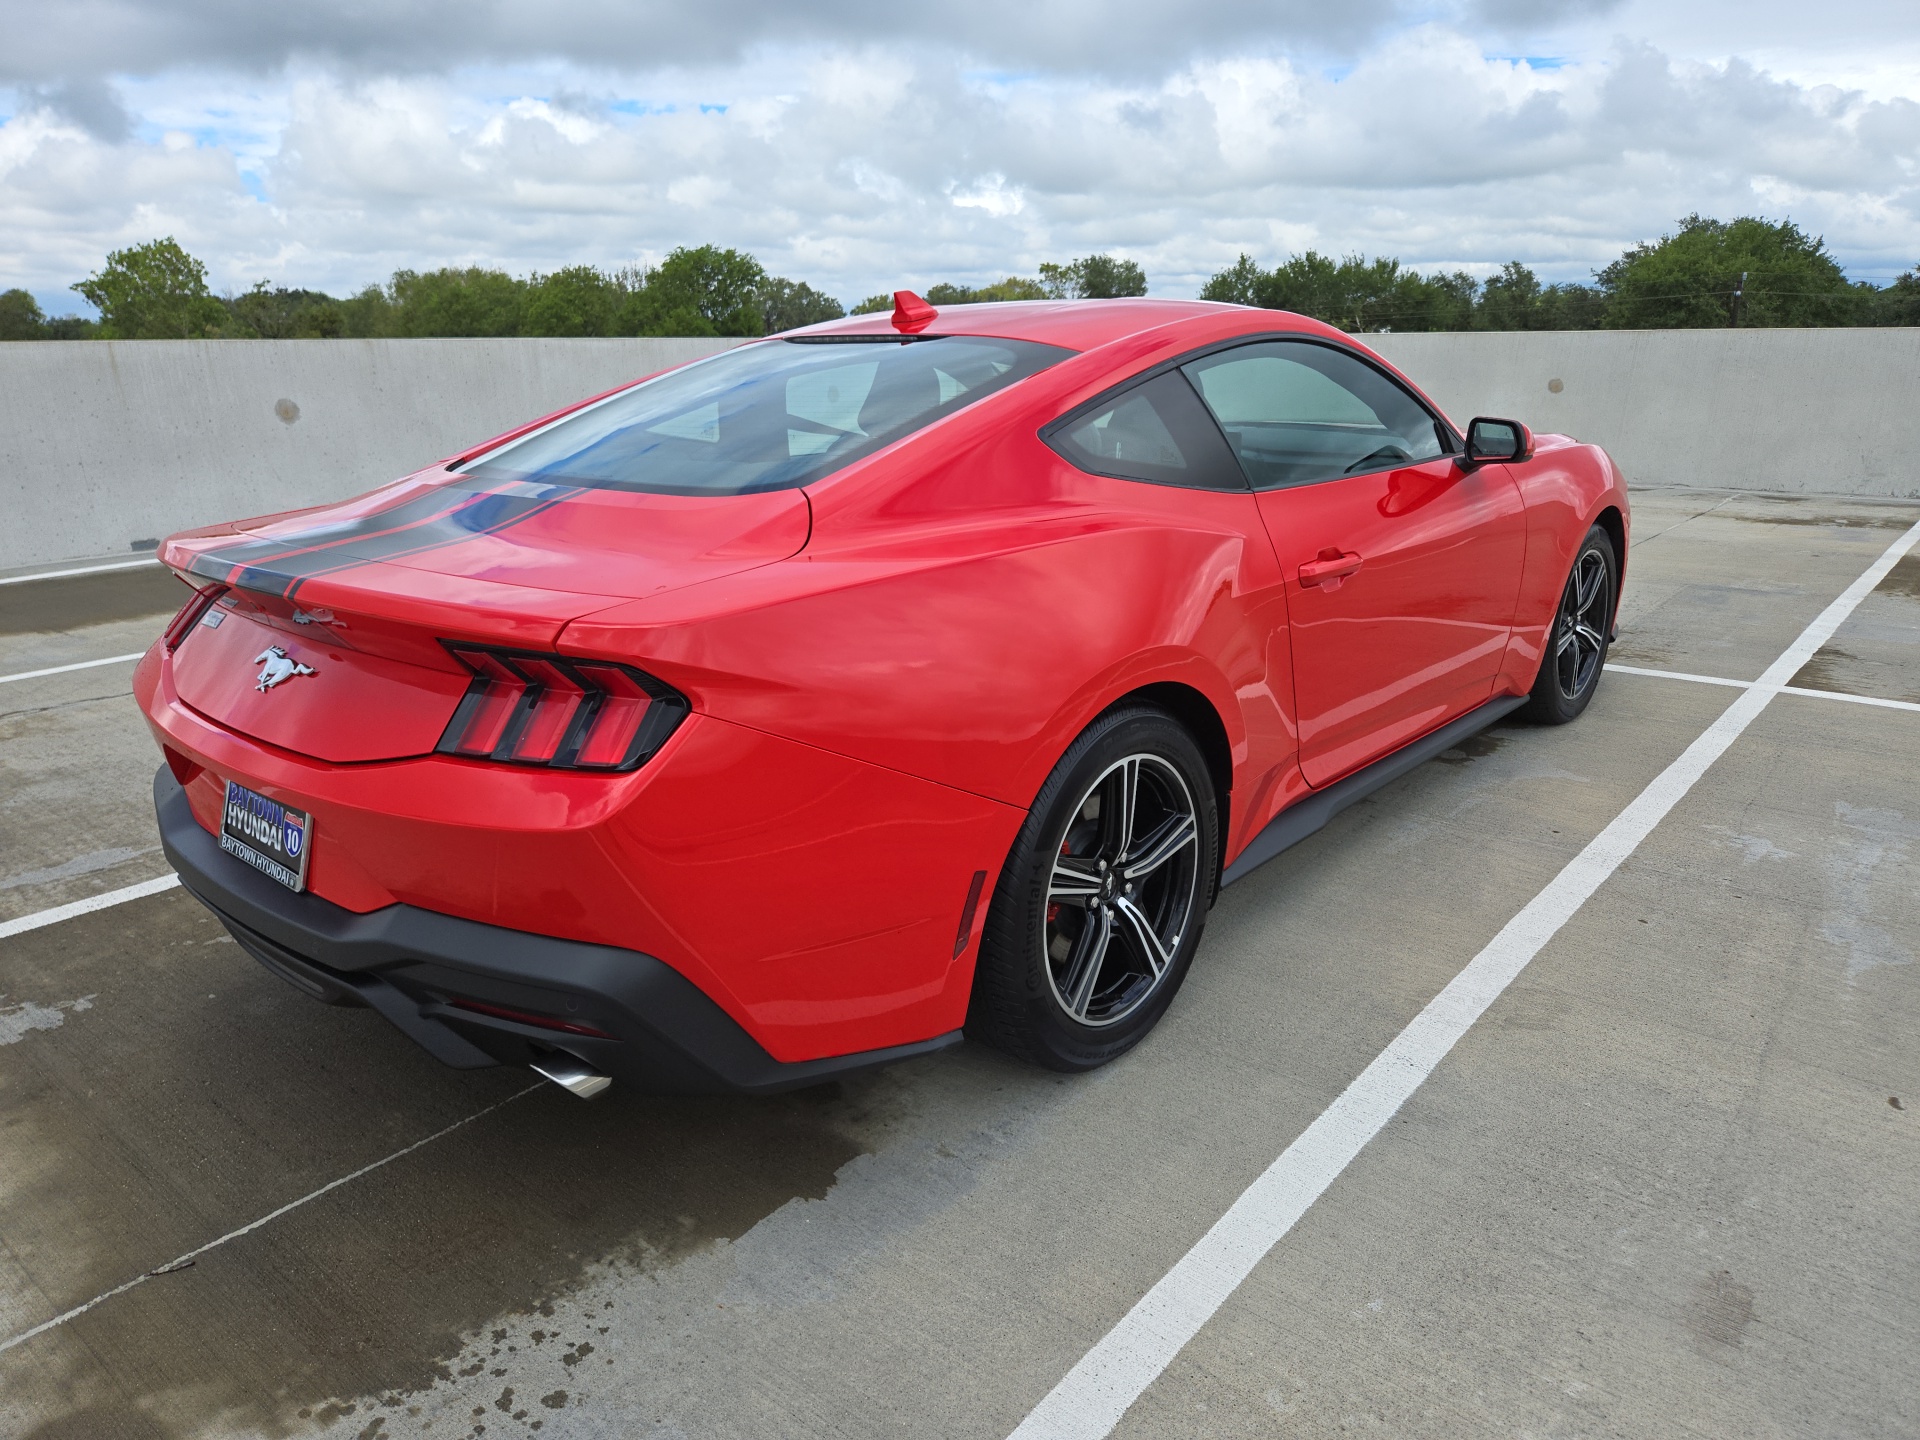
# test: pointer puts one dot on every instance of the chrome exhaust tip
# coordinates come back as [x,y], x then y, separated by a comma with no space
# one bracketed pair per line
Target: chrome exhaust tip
[571,1074]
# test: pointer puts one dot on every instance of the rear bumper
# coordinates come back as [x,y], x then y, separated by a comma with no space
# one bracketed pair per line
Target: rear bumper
[658,1031]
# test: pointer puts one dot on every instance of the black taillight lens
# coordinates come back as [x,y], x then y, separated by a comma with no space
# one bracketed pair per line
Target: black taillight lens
[527,708]
[190,614]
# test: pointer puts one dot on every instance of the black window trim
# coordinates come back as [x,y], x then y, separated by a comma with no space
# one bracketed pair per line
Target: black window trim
[1111,396]
[1451,442]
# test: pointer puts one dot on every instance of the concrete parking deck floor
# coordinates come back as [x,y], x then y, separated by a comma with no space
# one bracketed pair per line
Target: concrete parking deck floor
[1665,1186]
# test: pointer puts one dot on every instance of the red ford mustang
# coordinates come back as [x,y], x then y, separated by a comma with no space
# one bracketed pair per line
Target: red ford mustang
[806,706]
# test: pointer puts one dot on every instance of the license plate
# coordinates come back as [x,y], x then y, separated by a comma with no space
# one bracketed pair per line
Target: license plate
[273,838]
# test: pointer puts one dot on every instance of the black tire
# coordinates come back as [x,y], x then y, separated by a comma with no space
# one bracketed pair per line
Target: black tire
[1582,631]
[1083,875]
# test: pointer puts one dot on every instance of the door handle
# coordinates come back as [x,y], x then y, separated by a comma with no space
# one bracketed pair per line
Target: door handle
[1329,568]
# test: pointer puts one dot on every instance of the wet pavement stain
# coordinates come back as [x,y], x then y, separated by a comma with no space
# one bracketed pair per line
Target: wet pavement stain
[1827,670]
[1869,872]
[370,1295]
[50,606]
[1476,747]
[1650,655]
[1822,522]
[1720,1310]
[946,1123]
[212,1113]
[1842,672]
[1903,579]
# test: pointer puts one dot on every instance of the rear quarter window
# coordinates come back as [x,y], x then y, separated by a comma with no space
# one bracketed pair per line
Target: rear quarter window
[1156,431]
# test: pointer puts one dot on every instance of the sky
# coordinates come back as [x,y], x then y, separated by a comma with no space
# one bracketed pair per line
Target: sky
[865,145]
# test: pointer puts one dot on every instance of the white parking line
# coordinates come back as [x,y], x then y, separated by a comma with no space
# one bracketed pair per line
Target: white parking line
[1784,689]
[64,669]
[42,918]
[1850,699]
[180,1262]
[82,570]
[1681,675]
[1098,1391]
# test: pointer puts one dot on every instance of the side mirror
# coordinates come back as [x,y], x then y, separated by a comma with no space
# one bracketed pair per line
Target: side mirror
[1491,439]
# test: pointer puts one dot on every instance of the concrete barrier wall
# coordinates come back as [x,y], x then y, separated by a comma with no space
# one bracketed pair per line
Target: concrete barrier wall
[107,444]
[1822,411]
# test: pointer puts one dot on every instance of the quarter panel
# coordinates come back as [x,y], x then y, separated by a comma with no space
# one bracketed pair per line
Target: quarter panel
[971,652]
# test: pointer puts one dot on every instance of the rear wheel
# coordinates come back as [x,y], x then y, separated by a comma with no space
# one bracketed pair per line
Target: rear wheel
[1577,643]
[1101,903]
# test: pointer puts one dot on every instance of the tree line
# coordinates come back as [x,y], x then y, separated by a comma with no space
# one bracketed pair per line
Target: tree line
[157,291]
[1742,272]
[1708,273]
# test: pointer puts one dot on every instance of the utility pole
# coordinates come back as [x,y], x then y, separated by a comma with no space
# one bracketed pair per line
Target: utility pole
[1739,298]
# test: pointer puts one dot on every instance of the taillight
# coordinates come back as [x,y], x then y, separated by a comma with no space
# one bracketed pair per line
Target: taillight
[535,709]
[190,614]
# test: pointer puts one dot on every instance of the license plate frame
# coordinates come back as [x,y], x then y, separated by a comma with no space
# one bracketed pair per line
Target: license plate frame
[275,839]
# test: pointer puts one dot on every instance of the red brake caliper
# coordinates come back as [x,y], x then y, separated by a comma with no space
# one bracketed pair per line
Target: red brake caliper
[1053,910]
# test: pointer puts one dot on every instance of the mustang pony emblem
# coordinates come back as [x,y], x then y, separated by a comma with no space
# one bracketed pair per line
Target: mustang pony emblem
[275,666]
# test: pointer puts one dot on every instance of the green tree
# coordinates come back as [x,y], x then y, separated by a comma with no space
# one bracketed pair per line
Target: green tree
[1014,287]
[281,314]
[698,291]
[1572,307]
[1898,303]
[1511,300]
[1353,293]
[473,301]
[155,291]
[1093,277]
[369,315]
[1515,299]
[20,317]
[789,304]
[579,300]
[1239,284]
[1438,302]
[873,305]
[1746,271]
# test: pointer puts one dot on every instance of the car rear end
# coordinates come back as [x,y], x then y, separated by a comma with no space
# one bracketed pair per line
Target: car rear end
[398,784]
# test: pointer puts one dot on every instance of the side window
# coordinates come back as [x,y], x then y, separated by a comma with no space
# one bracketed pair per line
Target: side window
[1157,431]
[1296,412]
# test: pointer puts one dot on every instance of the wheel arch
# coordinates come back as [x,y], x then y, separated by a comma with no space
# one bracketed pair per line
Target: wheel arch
[1199,717]
[1614,523]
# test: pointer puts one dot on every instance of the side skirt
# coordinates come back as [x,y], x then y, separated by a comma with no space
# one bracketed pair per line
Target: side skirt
[1302,818]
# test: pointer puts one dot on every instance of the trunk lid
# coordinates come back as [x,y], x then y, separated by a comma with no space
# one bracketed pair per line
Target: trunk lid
[362,594]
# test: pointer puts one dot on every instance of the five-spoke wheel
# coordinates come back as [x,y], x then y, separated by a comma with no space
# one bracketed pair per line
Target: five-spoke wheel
[1577,643]
[1097,913]
[1123,891]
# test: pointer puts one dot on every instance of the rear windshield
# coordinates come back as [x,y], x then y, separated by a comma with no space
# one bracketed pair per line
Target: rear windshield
[766,417]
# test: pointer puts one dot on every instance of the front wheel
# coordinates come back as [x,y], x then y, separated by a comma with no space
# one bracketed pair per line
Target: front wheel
[1577,644]
[1101,903]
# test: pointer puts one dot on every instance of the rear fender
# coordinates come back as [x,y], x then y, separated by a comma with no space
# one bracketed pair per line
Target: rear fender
[973,670]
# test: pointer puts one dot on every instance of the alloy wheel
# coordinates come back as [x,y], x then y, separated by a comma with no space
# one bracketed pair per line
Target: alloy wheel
[1579,633]
[1124,890]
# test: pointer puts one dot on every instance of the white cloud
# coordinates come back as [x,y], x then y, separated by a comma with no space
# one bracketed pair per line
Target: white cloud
[861,166]
[991,194]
